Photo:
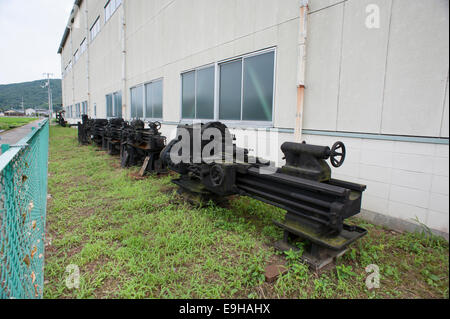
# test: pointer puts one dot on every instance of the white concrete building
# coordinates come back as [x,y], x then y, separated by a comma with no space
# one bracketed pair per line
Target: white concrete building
[371,73]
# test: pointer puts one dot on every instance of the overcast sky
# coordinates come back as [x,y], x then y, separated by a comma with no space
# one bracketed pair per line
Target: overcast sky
[30,33]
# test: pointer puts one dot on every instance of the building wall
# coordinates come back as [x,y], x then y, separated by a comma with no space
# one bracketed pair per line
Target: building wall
[387,80]
[383,92]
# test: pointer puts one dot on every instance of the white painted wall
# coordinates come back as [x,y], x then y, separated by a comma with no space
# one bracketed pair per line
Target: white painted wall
[391,80]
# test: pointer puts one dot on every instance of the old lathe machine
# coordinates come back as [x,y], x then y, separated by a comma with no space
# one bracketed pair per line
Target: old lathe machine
[142,146]
[135,144]
[316,204]
[212,166]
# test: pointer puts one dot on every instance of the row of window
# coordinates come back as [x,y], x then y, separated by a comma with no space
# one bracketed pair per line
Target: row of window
[241,89]
[110,7]
[75,111]
[76,57]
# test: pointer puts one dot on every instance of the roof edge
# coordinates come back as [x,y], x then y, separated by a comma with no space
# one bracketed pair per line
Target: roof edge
[74,11]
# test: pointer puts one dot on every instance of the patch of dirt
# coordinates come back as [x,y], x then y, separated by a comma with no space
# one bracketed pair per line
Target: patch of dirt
[137,177]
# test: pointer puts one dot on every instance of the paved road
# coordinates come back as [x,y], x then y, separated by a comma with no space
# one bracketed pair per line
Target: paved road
[11,137]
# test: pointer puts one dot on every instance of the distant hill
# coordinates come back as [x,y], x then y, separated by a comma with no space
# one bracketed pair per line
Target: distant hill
[34,96]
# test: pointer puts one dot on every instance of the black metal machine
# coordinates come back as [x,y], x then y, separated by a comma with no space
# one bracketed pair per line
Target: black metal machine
[142,146]
[316,205]
[112,136]
[60,118]
[97,131]
[84,130]
[136,144]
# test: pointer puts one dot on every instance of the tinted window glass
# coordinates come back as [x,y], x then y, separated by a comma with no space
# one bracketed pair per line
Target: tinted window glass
[258,87]
[230,91]
[205,93]
[157,99]
[188,95]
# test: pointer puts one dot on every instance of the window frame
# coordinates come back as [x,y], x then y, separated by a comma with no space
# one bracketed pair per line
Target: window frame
[77,110]
[144,100]
[92,27]
[84,108]
[231,123]
[113,106]
[69,66]
[195,70]
[113,10]
[76,56]
[83,46]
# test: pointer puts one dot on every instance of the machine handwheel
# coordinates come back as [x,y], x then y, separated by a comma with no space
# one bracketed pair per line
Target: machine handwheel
[217,175]
[337,156]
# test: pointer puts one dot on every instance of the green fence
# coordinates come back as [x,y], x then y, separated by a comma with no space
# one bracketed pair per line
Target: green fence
[23,201]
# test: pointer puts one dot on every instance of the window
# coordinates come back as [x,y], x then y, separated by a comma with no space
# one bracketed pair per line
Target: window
[244,90]
[137,102]
[147,100]
[77,110]
[117,104]
[83,46]
[84,110]
[69,67]
[153,100]
[76,56]
[198,94]
[111,7]
[95,29]
[114,105]
[109,105]
[230,90]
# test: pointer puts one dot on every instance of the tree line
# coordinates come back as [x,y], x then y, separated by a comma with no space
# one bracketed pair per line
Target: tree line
[34,96]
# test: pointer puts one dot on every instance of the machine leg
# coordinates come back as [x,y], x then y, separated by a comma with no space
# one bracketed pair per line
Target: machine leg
[315,256]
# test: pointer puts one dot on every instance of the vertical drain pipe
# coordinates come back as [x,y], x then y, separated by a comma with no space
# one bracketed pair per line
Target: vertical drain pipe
[88,79]
[301,70]
[72,71]
[124,62]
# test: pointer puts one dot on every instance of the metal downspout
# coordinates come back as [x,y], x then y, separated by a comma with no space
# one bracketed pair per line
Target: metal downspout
[88,79]
[124,62]
[301,70]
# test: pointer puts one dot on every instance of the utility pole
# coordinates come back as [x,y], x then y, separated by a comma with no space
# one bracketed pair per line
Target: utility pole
[50,100]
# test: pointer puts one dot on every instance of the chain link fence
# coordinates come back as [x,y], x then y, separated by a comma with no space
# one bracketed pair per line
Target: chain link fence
[23,201]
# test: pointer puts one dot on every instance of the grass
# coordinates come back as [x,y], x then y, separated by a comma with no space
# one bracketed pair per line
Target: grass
[137,238]
[7,123]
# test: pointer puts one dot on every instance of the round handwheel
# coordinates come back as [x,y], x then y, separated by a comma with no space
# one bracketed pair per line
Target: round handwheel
[217,175]
[337,155]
